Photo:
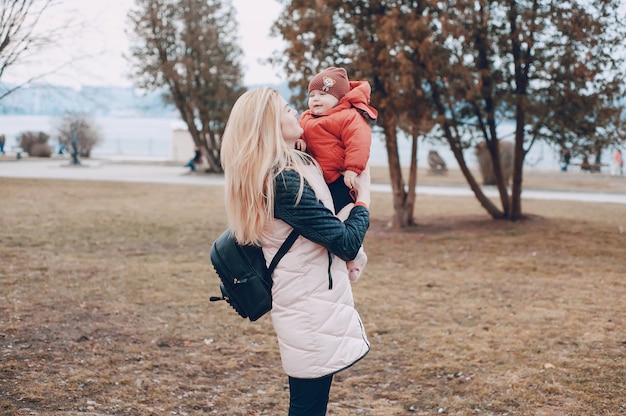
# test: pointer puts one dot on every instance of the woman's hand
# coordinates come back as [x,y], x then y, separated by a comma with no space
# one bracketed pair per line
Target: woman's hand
[362,185]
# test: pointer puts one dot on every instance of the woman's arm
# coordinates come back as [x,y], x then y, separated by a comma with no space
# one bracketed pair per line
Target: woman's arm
[316,222]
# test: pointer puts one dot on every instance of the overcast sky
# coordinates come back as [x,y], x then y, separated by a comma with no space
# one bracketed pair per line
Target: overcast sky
[98,36]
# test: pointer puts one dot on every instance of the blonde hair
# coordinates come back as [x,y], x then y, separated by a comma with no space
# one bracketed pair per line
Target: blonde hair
[253,153]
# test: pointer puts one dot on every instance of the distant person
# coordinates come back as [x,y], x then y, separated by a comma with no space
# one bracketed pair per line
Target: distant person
[197,158]
[565,159]
[2,140]
[338,134]
[618,163]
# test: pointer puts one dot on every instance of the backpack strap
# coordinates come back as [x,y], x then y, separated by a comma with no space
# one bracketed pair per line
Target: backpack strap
[283,250]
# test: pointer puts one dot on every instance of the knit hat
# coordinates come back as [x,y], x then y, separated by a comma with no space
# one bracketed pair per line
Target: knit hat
[331,80]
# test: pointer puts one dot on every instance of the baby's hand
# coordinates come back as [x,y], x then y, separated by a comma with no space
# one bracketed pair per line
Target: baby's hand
[301,145]
[349,178]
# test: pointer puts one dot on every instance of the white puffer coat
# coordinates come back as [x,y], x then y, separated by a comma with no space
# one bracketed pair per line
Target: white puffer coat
[318,328]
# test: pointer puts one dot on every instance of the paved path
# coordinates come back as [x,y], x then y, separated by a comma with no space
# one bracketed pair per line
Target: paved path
[103,170]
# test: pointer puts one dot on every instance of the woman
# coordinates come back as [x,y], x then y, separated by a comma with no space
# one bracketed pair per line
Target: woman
[272,188]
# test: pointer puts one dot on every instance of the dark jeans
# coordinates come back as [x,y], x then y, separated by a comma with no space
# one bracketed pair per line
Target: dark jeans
[309,397]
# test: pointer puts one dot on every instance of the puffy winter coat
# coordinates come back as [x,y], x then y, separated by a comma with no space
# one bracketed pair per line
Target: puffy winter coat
[318,328]
[341,138]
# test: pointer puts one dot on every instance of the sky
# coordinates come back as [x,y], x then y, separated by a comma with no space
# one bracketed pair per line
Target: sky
[94,31]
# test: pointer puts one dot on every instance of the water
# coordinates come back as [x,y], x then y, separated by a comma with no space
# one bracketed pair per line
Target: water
[151,137]
[540,157]
[127,136]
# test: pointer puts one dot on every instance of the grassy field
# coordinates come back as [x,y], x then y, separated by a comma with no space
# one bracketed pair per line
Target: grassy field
[104,307]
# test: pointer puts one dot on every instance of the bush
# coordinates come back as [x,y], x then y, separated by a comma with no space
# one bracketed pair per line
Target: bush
[40,150]
[81,126]
[35,143]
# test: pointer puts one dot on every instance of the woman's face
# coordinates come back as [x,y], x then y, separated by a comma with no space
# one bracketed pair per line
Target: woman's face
[289,126]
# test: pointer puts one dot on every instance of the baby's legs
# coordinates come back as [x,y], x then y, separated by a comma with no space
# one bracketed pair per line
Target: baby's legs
[344,202]
[356,266]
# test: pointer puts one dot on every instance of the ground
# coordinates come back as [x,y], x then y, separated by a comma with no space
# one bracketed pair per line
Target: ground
[104,308]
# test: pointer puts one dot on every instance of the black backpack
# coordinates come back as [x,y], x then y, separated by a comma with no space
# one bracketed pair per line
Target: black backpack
[246,282]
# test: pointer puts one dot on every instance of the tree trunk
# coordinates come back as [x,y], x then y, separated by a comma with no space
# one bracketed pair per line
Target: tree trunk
[516,187]
[455,146]
[494,152]
[402,206]
[489,131]
[186,111]
[412,194]
[211,154]
[485,202]
[521,78]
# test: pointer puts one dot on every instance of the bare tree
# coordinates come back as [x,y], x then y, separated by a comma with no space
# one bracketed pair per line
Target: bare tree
[20,37]
[188,49]
[79,133]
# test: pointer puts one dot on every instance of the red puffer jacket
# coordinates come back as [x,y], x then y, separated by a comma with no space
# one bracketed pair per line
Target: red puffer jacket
[340,139]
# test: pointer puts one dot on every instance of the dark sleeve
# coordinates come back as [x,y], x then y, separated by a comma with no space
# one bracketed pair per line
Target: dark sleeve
[316,222]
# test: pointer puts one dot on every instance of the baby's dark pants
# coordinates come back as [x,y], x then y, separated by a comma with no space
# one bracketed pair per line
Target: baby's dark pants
[341,194]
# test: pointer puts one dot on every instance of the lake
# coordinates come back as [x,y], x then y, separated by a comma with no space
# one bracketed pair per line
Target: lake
[150,137]
[131,136]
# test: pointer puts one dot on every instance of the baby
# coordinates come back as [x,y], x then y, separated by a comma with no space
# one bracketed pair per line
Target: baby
[338,134]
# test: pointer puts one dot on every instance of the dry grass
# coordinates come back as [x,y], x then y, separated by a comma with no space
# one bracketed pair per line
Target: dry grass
[103,309]
[572,180]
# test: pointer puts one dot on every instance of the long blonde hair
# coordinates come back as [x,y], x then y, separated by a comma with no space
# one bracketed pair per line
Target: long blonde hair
[253,152]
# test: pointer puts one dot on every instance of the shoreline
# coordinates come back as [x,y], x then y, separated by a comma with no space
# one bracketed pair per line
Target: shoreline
[166,169]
